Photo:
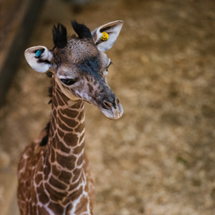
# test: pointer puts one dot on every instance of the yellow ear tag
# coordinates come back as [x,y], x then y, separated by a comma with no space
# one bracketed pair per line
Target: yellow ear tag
[104,36]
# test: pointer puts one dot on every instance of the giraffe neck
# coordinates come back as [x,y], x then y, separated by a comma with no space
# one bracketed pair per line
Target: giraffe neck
[62,180]
[65,149]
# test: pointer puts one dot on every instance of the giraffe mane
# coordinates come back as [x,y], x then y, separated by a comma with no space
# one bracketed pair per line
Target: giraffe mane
[44,141]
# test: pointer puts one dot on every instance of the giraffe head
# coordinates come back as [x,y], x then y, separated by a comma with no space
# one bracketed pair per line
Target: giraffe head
[79,64]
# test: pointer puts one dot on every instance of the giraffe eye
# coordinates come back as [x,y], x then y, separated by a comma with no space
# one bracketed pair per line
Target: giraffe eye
[68,81]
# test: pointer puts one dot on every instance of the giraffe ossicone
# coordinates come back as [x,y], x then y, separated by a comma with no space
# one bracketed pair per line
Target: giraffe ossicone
[53,171]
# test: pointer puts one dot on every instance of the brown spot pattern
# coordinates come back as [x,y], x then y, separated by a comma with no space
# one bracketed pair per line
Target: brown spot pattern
[81,206]
[78,149]
[66,162]
[71,138]
[54,194]
[56,208]
[76,194]
[56,183]
[38,178]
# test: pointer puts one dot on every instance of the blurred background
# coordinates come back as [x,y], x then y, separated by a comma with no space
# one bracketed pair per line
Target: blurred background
[159,158]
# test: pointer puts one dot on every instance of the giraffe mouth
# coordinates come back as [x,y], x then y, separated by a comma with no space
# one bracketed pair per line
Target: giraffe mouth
[112,110]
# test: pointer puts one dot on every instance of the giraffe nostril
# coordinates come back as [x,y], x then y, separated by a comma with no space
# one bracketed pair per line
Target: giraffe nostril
[117,101]
[107,105]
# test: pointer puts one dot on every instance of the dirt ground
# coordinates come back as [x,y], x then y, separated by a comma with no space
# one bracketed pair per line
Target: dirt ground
[159,158]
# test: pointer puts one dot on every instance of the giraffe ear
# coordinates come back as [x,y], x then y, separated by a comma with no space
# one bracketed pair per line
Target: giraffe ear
[105,36]
[39,58]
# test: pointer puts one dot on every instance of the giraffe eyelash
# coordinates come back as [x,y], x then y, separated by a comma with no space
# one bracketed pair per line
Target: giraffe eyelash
[109,65]
[69,81]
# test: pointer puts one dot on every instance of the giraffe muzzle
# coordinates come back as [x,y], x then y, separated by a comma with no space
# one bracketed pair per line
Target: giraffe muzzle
[112,109]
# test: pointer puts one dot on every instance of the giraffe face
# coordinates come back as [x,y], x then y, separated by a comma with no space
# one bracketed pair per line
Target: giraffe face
[80,65]
[81,70]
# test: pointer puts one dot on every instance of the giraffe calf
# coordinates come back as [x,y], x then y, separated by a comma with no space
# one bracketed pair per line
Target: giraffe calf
[53,171]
